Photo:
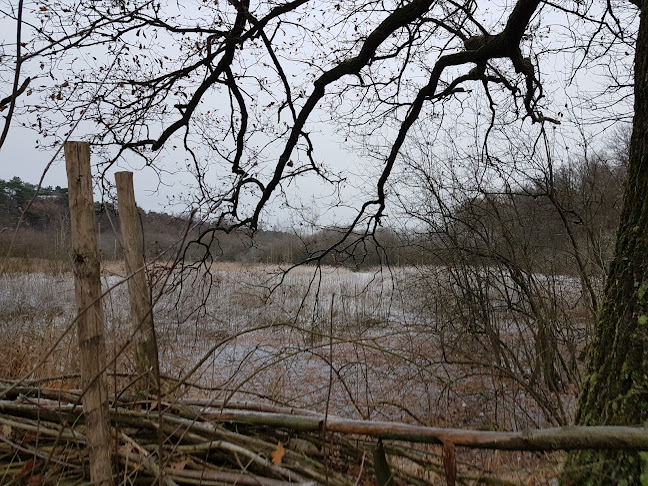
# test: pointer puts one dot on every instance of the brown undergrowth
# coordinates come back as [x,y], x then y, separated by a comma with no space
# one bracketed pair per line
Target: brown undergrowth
[352,344]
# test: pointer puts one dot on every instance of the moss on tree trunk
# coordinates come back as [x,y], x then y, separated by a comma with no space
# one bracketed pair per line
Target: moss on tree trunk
[615,391]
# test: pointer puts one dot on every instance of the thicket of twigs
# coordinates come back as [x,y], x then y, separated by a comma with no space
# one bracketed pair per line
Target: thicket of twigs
[266,365]
[202,442]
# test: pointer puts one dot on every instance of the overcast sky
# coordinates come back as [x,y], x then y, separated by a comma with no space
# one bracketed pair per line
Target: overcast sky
[567,96]
[19,157]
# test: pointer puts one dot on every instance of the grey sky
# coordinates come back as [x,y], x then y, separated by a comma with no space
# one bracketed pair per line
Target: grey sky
[359,160]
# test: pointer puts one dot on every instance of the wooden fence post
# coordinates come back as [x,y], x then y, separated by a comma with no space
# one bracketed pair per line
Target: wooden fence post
[146,352]
[90,325]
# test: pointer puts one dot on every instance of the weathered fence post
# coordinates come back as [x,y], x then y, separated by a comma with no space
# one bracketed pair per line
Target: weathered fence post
[90,326]
[146,352]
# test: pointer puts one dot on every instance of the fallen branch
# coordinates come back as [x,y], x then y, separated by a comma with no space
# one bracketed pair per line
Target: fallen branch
[550,439]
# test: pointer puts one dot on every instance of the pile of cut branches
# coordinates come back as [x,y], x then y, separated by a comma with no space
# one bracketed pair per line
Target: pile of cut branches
[207,442]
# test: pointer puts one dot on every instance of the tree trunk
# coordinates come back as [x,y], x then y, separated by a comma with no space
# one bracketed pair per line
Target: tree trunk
[146,352]
[615,391]
[90,326]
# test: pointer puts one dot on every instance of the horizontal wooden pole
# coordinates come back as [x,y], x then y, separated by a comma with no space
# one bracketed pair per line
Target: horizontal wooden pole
[549,439]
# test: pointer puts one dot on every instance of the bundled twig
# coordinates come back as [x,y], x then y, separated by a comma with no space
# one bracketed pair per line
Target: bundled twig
[42,441]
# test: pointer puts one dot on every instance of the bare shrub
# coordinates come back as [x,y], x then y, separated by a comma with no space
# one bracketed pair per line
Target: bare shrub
[35,308]
[520,255]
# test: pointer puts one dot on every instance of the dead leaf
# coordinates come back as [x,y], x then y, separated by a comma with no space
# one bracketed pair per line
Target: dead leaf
[30,437]
[27,467]
[6,430]
[180,465]
[450,463]
[125,449]
[35,479]
[278,454]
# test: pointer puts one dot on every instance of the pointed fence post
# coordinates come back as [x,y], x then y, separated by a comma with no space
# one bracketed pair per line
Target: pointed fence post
[90,325]
[146,352]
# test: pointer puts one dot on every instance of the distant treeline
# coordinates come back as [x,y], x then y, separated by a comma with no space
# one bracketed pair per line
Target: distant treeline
[546,223]
[45,233]
[15,196]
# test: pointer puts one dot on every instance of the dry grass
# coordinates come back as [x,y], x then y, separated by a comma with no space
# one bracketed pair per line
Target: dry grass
[35,265]
[355,344]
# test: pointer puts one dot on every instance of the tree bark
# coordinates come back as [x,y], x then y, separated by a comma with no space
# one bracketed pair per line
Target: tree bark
[146,352]
[90,326]
[615,391]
